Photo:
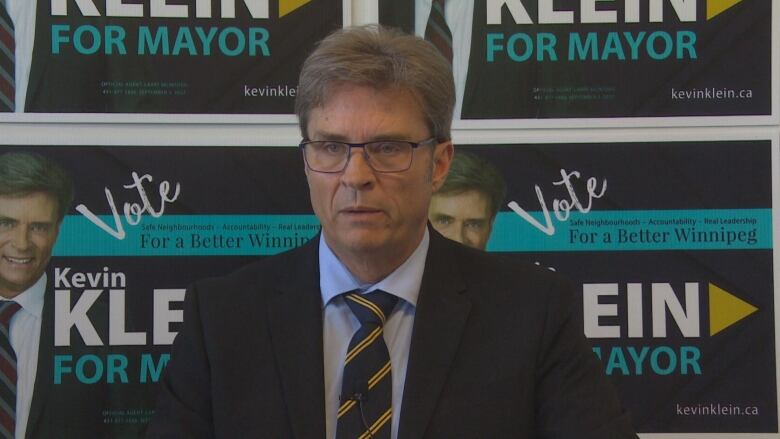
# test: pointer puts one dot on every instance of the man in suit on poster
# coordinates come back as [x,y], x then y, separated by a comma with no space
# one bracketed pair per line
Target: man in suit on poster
[46,82]
[379,326]
[35,193]
[464,208]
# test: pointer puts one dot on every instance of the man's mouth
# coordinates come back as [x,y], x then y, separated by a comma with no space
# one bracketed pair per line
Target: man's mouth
[17,260]
[361,213]
[360,209]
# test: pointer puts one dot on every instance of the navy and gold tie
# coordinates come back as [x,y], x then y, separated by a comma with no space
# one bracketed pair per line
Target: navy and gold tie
[366,392]
[437,31]
[7,55]
[7,372]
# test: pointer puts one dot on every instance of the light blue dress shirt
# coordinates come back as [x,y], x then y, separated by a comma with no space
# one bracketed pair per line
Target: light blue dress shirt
[339,324]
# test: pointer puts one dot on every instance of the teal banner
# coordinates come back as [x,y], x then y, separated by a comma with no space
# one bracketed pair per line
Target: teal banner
[184,235]
[627,230]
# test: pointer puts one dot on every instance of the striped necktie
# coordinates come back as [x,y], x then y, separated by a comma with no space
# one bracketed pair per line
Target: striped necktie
[437,31]
[367,386]
[7,371]
[7,69]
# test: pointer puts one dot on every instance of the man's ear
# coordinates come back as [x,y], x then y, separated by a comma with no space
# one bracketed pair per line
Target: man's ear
[442,159]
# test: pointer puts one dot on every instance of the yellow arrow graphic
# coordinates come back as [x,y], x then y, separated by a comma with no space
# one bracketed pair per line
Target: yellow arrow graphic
[715,7]
[287,6]
[726,309]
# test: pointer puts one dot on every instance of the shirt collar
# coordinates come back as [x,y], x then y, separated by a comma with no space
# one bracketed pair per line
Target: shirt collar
[31,299]
[404,282]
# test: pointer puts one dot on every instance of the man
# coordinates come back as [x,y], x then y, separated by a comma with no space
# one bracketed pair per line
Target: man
[35,194]
[465,207]
[41,81]
[308,344]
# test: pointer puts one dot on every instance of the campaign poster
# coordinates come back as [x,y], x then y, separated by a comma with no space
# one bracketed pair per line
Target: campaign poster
[670,247]
[544,59]
[172,57]
[144,224]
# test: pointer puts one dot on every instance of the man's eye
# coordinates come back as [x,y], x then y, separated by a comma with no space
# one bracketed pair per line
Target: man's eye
[475,225]
[443,220]
[40,227]
[333,148]
[387,148]
[6,224]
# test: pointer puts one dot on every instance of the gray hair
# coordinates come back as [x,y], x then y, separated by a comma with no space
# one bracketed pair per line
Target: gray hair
[379,57]
[23,173]
[469,172]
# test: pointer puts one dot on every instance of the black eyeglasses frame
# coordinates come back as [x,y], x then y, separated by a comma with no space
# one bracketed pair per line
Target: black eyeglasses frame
[414,145]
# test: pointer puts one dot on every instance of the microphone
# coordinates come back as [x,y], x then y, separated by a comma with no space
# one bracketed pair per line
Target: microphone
[359,394]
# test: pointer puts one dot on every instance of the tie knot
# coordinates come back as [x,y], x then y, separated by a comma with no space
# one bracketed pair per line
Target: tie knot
[7,310]
[373,307]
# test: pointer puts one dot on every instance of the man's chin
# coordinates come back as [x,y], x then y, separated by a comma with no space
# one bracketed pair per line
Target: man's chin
[10,290]
[364,244]
[359,240]
[13,284]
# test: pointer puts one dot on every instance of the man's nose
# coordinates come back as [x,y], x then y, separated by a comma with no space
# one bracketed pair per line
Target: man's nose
[465,239]
[20,238]
[358,174]
[455,232]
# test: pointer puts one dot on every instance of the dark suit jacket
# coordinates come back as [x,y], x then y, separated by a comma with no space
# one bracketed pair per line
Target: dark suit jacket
[72,409]
[496,351]
[66,82]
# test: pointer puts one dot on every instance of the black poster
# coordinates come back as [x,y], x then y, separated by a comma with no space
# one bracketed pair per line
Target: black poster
[669,245]
[541,59]
[174,57]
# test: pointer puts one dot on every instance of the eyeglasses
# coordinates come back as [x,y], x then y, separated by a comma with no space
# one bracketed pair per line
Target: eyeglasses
[382,155]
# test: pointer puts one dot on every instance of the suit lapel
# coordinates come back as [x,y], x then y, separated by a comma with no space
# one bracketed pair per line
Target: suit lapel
[295,324]
[439,320]
[397,14]
[476,67]
[40,57]
[44,372]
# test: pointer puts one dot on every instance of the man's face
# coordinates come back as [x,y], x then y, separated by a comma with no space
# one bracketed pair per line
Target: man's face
[369,213]
[28,230]
[463,217]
